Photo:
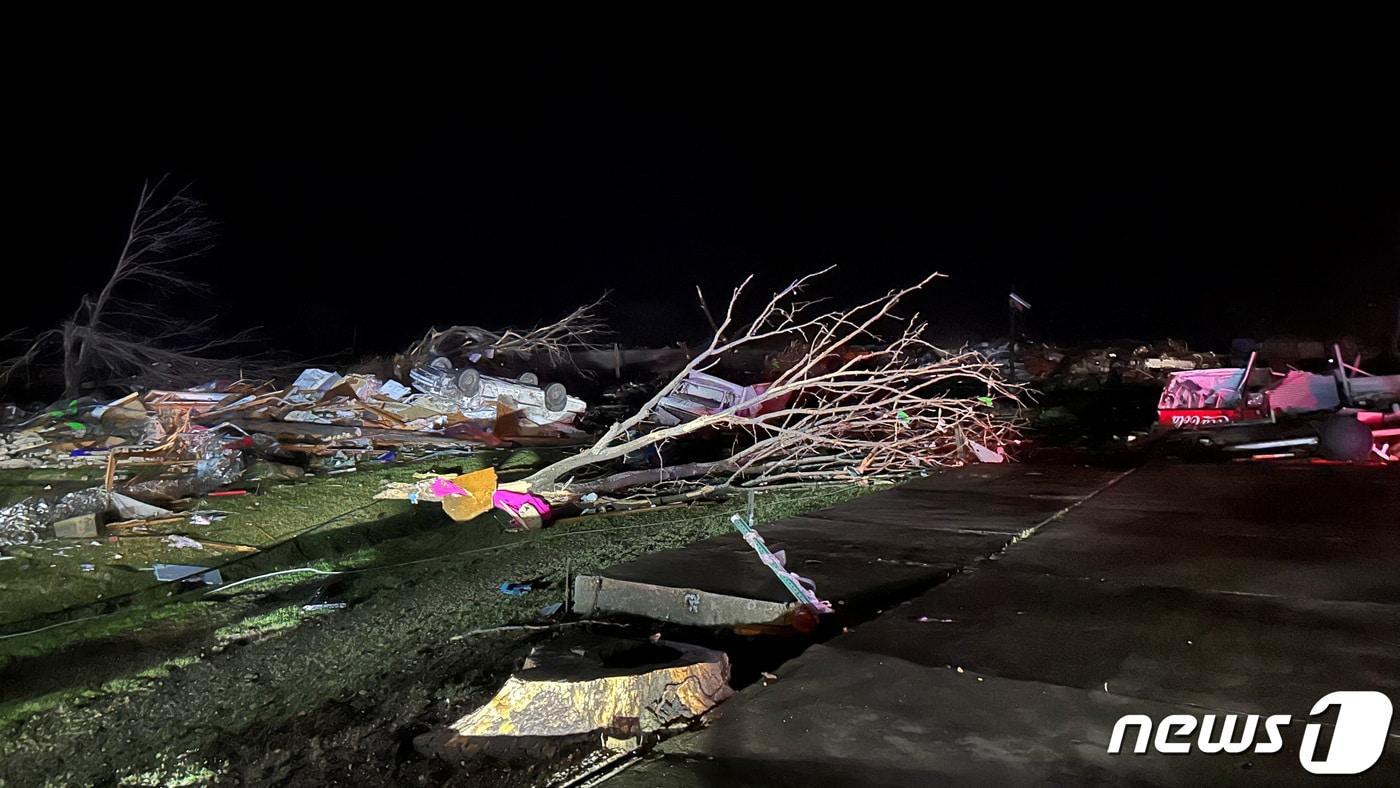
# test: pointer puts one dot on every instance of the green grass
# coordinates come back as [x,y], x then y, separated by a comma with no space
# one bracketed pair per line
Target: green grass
[261,625]
[50,577]
[155,713]
[152,621]
[151,691]
[142,681]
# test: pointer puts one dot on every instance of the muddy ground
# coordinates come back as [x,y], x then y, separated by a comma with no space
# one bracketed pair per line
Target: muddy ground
[173,686]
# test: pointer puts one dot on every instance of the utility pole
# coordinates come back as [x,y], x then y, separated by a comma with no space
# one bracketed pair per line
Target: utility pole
[1395,337]
[1015,306]
[1011,344]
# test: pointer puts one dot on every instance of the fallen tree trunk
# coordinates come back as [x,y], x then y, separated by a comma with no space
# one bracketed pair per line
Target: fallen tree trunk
[631,479]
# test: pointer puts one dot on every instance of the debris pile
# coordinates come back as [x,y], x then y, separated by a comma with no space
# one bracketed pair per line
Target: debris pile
[1346,415]
[166,445]
[831,402]
[1050,366]
[794,396]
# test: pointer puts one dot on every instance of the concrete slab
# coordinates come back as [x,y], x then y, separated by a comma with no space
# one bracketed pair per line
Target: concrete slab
[861,554]
[1175,645]
[838,717]
[1273,530]
[1182,589]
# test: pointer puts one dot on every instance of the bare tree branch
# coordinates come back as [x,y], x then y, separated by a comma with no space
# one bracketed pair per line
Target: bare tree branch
[120,332]
[851,405]
[554,341]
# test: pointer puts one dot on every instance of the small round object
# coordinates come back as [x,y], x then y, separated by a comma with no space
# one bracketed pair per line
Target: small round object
[1342,437]
[469,382]
[528,379]
[440,362]
[556,397]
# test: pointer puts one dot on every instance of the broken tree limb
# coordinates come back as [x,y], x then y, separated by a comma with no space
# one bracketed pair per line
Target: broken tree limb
[851,404]
[554,342]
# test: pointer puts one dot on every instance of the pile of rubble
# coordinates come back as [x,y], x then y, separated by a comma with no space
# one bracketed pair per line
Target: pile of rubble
[162,446]
[1049,365]
[820,397]
[1260,412]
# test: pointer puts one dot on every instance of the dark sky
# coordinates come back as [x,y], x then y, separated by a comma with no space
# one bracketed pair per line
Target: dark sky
[366,202]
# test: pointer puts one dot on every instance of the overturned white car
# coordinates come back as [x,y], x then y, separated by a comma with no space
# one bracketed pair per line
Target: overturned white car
[483,396]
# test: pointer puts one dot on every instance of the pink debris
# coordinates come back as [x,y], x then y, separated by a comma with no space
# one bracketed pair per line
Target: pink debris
[512,501]
[445,487]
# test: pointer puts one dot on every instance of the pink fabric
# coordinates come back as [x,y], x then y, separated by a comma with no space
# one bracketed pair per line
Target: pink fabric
[512,501]
[443,488]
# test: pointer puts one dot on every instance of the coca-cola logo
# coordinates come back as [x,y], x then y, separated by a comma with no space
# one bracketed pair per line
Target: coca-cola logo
[1196,419]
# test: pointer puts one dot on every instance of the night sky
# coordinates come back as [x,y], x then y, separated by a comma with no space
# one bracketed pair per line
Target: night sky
[361,205]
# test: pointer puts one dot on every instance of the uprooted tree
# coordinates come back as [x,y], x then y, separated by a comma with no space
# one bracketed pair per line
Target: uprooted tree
[119,333]
[851,405]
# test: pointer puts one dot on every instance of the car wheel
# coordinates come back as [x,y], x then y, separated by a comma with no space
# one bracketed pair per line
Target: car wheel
[1344,438]
[469,382]
[556,398]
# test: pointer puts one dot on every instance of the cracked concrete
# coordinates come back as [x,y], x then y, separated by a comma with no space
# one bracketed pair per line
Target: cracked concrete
[1184,589]
[863,555]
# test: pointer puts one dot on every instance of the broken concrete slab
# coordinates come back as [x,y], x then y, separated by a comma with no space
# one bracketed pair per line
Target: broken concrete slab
[579,687]
[861,554]
[84,526]
[685,606]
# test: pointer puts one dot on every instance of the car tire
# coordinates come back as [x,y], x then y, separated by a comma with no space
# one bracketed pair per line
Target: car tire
[469,382]
[556,398]
[1344,438]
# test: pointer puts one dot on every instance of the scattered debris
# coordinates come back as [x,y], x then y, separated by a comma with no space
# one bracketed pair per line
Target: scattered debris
[206,516]
[491,399]
[75,515]
[553,343]
[836,403]
[1341,416]
[182,542]
[1049,366]
[84,526]
[802,589]
[700,394]
[516,589]
[467,496]
[527,511]
[185,572]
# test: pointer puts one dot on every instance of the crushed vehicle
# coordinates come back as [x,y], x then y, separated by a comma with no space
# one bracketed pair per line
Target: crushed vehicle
[485,396]
[1341,416]
[701,394]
